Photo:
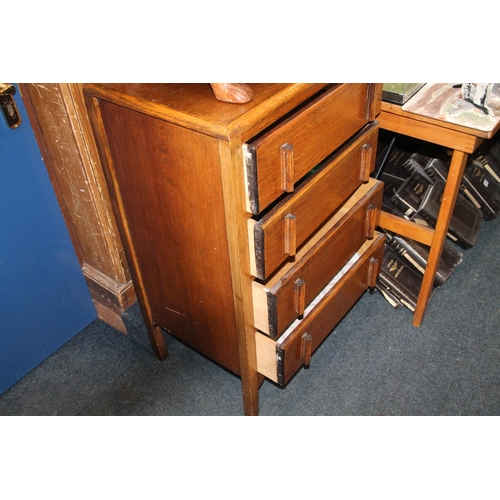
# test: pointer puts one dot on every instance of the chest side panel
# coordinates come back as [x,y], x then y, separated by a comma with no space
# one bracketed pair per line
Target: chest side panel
[170,185]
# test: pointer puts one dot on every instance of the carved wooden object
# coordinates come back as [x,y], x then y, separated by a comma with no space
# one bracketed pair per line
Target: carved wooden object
[232,92]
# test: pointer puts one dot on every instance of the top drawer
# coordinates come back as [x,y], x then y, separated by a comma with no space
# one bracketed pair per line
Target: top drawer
[280,157]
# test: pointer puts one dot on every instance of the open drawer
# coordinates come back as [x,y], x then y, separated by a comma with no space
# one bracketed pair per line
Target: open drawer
[280,359]
[284,297]
[286,152]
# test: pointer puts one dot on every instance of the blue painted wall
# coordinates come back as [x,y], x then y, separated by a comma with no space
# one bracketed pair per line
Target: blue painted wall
[44,300]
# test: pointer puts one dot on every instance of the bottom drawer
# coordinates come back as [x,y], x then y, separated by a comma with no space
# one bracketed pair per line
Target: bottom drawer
[280,359]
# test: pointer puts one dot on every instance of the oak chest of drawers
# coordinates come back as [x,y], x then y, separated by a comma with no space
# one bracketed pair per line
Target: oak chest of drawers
[249,228]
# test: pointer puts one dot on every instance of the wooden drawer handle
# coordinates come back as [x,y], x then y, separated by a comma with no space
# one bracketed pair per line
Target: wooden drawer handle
[290,234]
[306,349]
[372,221]
[299,293]
[373,91]
[373,269]
[287,168]
[366,162]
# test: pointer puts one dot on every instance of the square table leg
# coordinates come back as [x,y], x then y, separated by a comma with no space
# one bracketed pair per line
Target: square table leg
[457,166]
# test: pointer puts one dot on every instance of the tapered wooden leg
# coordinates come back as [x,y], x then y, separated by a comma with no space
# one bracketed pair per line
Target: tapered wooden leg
[250,382]
[155,333]
[250,390]
[458,161]
[250,378]
[158,343]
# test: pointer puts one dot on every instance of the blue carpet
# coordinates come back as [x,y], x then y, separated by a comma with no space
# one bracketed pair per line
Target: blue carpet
[374,363]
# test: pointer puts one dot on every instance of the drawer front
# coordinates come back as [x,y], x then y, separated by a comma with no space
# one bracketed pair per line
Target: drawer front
[277,235]
[283,298]
[279,158]
[280,359]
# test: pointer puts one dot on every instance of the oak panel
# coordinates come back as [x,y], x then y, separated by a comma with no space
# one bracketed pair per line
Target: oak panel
[177,227]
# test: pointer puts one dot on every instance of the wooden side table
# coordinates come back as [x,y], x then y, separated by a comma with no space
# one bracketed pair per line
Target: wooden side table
[462,141]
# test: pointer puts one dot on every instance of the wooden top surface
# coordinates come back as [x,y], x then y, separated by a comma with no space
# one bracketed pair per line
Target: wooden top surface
[397,110]
[194,105]
[450,135]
